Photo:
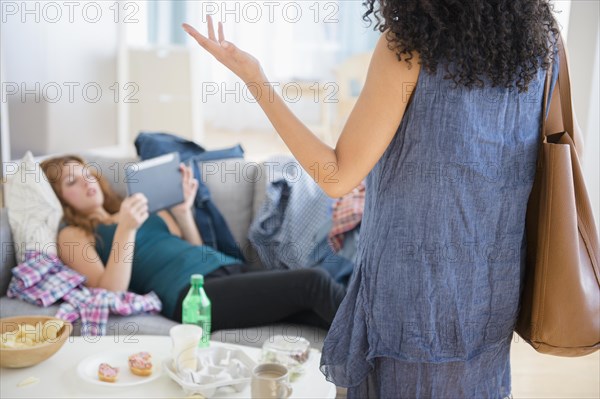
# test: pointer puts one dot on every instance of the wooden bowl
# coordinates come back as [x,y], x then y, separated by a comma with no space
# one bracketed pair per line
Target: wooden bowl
[32,355]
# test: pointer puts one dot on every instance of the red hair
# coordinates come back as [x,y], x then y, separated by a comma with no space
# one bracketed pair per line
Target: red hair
[53,169]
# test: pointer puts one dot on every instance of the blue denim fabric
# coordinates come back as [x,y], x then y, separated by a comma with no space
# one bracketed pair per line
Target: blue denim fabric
[272,213]
[431,306]
[339,265]
[283,231]
[234,152]
[213,227]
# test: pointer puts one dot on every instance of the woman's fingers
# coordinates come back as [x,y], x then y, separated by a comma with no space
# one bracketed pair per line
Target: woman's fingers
[137,197]
[139,204]
[133,211]
[239,62]
[139,210]
[186,172]
[221,34]
[211,29]
[211,46]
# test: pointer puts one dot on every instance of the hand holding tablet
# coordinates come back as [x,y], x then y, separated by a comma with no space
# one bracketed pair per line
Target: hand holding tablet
[161,180]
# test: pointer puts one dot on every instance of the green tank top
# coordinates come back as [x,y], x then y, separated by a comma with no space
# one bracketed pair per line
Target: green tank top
[162,262]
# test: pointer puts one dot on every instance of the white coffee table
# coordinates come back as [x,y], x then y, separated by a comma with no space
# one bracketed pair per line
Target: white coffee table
[58,376]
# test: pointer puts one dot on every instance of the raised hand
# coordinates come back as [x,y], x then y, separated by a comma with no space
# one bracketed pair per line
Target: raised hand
[237,61]
[190,187]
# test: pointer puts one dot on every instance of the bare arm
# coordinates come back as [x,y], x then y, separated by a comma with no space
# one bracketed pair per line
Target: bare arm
[368,131]
[77,250]
[189,231]
[182,225]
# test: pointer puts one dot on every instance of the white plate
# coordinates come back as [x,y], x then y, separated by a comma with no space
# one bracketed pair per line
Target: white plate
[88,369]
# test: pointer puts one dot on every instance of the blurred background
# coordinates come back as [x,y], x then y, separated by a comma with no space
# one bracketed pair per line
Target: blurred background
[128,66]
[89,75]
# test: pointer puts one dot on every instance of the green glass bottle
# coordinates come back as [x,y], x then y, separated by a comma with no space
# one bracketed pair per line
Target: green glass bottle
[197,309]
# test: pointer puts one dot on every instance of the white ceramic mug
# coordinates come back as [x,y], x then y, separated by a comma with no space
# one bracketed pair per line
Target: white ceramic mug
[184,345]
[271,381]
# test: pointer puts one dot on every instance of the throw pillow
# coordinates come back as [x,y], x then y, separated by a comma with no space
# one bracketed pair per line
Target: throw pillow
[34,210]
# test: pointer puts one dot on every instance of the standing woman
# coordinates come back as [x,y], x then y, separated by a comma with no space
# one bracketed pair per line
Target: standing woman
[431,306]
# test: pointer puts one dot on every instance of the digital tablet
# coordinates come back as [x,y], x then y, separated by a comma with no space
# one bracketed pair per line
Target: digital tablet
[159,179]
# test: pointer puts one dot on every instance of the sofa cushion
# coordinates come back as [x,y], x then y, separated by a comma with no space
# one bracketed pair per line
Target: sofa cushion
[231,184]
[144,324]
[10,307]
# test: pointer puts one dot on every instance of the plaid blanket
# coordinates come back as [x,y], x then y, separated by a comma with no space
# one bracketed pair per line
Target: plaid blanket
[347,214]
[42,280]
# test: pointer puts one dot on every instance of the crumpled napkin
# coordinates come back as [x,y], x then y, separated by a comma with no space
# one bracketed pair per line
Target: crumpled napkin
[210,371]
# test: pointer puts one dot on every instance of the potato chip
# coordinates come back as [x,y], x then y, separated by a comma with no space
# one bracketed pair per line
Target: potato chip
[27,335]
[51,329]
[9,335]
[28,381]
[8,339]
[8,344]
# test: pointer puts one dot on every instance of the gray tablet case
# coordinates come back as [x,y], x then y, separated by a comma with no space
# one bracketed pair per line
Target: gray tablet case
[159,179]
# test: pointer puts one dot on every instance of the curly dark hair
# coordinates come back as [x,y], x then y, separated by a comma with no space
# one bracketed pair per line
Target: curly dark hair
[505,40]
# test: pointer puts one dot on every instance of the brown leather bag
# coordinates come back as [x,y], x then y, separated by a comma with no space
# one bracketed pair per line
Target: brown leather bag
[560,305]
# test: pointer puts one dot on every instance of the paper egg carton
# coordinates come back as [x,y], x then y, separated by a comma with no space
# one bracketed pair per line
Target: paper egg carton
[217,367]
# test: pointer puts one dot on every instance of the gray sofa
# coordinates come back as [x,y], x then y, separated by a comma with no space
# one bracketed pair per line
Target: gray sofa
[238,189]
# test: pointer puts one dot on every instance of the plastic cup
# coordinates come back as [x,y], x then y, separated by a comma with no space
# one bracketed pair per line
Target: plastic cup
[184,340]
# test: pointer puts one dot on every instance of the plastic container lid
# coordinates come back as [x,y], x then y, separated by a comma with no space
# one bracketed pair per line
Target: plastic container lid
[292,352]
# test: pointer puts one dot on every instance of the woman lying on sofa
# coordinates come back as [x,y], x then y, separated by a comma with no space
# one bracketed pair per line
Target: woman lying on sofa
[118,246]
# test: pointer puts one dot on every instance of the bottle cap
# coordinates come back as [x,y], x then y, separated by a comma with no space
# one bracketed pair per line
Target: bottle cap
[197,279]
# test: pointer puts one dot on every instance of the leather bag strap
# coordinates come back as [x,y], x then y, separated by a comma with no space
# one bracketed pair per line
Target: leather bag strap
[560,116]
[545,102]
[564,85]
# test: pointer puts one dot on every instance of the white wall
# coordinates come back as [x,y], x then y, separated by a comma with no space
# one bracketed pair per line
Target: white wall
[583,45]
[40,48]
[562,12]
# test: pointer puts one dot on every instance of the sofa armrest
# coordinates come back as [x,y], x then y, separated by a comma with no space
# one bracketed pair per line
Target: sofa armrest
[7,261]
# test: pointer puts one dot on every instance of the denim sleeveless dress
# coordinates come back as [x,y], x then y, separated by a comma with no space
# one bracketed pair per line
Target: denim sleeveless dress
[434,297]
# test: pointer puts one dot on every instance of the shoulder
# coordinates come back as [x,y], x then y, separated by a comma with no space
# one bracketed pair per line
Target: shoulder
[386,52]
[389,74]
[73,233]
[390,81]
